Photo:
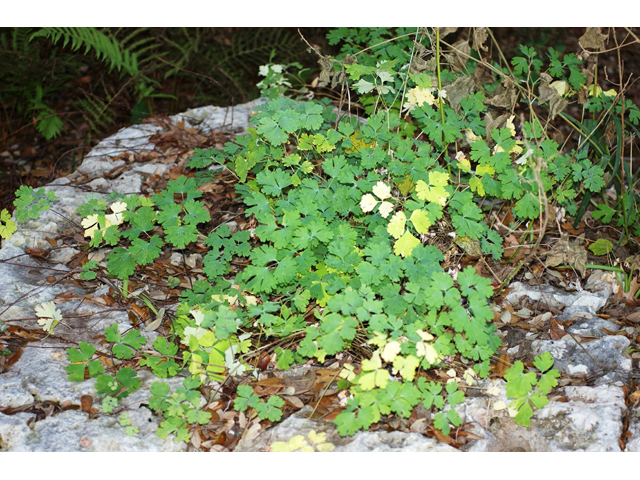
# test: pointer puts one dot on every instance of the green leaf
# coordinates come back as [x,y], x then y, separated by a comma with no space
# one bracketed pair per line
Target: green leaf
[30,204]
[121,263]
[181,235]
[272,131]
[85,352]
[604,213]
[519,384]
[273,182]
[528,206]
[271,409]
[196,213]
[146,252]
[525,412]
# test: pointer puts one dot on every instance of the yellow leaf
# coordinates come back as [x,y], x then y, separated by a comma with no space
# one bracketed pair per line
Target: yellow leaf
[405,245]
[476,185]
[49,315]
[390,351]
[90,224]
[347,373]
[406,366]
[379,340]
[482,169]
[378,378]
[373,363]
[420,221]
[368,203]
[326,447]
[385,209]
[297,442]
[279,447]
[499,405]
[317,437]
[382,191]
[425,336]
[470,136]
[469,376]
[463,162]
[396,225]
[418,96]
[426,350]
[509,124]
[561,87]
[434,192]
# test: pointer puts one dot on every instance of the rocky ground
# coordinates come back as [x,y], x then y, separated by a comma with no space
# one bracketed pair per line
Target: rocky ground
[584,322]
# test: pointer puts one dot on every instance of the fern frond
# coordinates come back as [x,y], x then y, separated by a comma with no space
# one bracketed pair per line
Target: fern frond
[106,47]
[95,111]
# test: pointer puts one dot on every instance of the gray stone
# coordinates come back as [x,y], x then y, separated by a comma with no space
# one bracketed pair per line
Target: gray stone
[598,289]
[299,424]
[604,358]
[587,419]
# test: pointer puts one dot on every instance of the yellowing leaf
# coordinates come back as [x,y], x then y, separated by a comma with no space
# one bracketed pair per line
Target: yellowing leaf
[418,96]
[509,124]
[561,87]
[426,350]
[476,185]
[425,336]
[377,378]
[396,225]
[406,366]
[357,144]
[347,373]
[596,91]
[482,169]
[382,190]
[49,315]
[463,162]
[405,245]
[420,221]
[379,340]
[390,351]
[469,376]
[385,209]
[368,203]
[8,229]
[373,363]
[90,224]
[435,192]
[438,179]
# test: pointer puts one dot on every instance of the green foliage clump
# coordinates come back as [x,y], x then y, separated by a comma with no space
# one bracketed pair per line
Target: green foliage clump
[529,390]
[338,258]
